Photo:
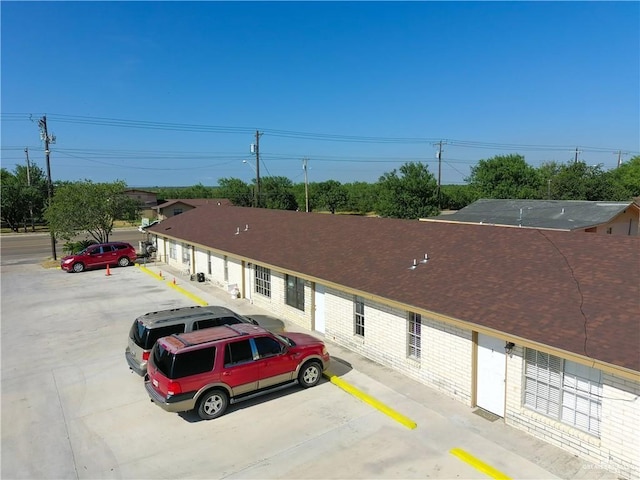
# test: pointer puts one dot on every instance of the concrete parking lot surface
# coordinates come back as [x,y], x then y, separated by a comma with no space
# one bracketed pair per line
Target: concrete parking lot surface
[72,409]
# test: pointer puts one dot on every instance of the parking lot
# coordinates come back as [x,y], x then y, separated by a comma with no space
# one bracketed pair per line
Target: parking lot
[72,409]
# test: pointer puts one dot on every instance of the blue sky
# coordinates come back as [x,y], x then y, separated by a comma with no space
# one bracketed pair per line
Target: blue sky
[171,94]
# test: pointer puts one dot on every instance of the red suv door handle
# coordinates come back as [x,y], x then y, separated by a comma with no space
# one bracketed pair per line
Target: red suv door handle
[226,374]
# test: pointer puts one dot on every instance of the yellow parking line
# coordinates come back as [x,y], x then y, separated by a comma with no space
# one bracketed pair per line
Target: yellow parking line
[478,464]
[347,387]
[186,293]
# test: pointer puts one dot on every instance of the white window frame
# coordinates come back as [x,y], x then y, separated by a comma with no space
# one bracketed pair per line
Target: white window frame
[358,316]
[563,390]
[263,281]
[414,336]
[173,254]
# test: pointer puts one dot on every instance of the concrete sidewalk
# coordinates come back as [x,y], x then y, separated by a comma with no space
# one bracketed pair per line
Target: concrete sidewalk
[438,417]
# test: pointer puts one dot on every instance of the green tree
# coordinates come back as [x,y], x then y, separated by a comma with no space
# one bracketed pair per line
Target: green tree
[412,194]
[455,197]
[627,176]
[579,181]
[277,193]
[237,191]
[361,197]
[330,195]
[92,208]
[505,176]
[24,196]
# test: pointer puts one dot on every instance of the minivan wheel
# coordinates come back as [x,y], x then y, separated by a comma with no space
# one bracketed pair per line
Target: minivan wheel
[212,404]
[310,374]
[78,267]
[123,262]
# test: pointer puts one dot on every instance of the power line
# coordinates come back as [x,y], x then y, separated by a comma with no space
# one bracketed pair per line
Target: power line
[199,128]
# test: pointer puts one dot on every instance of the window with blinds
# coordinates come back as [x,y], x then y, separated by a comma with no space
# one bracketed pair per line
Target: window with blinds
[564,390]
[414,339]
[358,316]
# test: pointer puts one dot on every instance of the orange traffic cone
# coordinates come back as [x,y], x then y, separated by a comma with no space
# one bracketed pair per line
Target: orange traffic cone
[174,280]
[160,274]
[108,271]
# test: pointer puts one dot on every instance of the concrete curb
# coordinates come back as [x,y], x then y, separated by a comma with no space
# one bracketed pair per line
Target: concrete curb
[347,387]
[190,295]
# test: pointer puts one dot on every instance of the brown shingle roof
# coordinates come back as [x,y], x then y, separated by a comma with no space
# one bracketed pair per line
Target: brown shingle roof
[575,291]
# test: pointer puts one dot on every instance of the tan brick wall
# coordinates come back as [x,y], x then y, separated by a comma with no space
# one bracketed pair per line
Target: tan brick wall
[386,341]
[618,447]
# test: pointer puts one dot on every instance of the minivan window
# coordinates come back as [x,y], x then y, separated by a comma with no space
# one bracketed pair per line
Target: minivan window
[183,364]
[215,322]
[145,337]
[238,352]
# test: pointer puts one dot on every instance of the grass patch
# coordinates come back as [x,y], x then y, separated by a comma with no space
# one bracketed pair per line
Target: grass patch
[50,263]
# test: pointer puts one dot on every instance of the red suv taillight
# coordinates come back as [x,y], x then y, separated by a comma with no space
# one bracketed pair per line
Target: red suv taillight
[173,388]
[145,356]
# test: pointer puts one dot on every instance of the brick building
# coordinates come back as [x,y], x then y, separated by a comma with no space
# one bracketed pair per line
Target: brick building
[541,328]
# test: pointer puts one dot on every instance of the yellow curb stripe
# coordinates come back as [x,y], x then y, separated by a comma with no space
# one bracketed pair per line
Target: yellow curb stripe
[193,297]
[347,387]
[478,464]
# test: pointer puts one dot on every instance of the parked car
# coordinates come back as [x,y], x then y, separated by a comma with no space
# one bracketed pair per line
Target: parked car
[209,369]
[100,255]
[147,328]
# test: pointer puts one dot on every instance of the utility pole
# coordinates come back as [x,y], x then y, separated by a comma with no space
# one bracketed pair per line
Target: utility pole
[257,199]
[33,227]
[620,155]
[44,135]
[439,155]
[306,184]
[576,158]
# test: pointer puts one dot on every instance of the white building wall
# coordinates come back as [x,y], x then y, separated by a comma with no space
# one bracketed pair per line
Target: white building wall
[446,358]
[617,449]
[277,304]
[446,363]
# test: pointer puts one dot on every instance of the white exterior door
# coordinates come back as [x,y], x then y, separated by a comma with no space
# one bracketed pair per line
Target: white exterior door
[491,374]
[319,313]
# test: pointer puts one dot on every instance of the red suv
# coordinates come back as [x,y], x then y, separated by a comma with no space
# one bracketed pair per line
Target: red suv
[208,369]
[100,255]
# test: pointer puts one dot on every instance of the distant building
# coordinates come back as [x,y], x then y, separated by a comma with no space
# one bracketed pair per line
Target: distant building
[614,218]
[174,207]
[147,200]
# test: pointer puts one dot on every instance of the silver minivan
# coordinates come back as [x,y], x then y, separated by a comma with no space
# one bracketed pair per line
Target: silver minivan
[151,326]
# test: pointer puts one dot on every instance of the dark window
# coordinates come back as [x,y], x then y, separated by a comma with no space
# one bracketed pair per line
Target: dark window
[295,292]
[267,346]
[184,364]
[106,249]
[194,362]
[215,322]
[145,337]
[208,323]
[238,352]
